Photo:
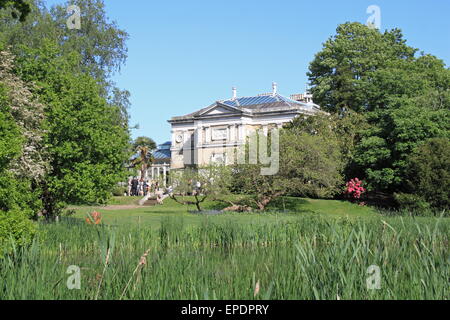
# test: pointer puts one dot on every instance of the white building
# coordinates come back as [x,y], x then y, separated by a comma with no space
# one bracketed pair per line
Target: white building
[213,133]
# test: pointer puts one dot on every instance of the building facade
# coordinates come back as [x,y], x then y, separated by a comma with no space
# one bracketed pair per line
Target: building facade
[160,167]
[213,134]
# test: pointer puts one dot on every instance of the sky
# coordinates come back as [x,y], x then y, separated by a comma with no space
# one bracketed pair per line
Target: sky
[185,55]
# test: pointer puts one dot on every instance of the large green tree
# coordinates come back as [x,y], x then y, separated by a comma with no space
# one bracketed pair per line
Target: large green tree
[100,42]
[67,123]
[385,147]
[310,165]
[360,69]
[17,202]
[26,161]
[87,147]
[429,172]
[18,6]
[404,98]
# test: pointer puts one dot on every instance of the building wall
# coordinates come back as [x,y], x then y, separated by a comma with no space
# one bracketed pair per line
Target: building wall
[206,139]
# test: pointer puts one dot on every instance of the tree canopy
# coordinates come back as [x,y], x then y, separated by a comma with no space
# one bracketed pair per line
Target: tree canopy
[16,5]
[403,98]
[69,122]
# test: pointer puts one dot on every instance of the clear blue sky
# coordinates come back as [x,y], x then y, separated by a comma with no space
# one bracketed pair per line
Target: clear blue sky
[184,55]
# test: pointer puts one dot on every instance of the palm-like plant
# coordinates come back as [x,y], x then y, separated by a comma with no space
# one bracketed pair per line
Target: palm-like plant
[144,147]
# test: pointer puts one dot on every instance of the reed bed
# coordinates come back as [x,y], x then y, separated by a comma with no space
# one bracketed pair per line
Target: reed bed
[309,258]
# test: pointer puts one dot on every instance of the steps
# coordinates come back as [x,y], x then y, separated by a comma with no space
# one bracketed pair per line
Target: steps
[147,198]
[150,202]
[151,199]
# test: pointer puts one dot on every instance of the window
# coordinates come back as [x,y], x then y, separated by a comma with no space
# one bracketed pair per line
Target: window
[218,158]
[219,134]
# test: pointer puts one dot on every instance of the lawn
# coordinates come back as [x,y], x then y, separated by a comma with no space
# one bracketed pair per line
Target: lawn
[300,249]
[287,209]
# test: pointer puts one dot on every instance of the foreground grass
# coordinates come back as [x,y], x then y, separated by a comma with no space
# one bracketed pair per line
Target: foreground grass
[305,255]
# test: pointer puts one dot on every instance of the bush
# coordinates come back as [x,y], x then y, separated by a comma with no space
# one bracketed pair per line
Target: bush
[411,202]
[429,172]
[16,194]
[119,191]
[16,231]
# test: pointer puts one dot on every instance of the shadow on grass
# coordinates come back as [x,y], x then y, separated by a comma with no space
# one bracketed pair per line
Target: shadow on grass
[280,205]
[287,204]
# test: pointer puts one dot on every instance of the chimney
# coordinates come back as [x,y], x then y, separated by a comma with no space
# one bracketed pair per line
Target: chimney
[274,88]
[234,93]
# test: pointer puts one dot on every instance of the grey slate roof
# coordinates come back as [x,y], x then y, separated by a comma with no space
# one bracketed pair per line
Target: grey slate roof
[256,105]
[163,152]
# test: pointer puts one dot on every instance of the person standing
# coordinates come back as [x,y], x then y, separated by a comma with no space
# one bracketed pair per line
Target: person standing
[145,186]
[141,188]
[130,179]
[134,186]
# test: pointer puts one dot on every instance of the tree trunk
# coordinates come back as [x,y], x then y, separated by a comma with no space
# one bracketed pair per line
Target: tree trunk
[262,204]
[238,208]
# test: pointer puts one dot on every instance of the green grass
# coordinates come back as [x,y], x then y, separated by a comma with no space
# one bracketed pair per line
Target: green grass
[315,250]
[152,216]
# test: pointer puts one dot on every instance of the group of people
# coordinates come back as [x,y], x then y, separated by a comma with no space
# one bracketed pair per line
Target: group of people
[141,187]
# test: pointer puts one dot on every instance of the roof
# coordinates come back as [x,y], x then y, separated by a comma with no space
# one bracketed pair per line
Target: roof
[256,105]
[163,152]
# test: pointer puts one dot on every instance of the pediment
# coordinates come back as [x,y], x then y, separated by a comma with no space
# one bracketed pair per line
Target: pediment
[219,109]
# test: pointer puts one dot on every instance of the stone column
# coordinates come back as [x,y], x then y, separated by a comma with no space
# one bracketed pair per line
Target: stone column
[199,133]
[241,132]
[208,135]
[164,168]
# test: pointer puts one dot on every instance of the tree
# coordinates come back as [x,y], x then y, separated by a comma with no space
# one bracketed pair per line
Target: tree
[28,114]
[429,172]
[144,142]
[345,130]
[17,203]
[10,138]
[19,5]
[385,147]
[403,98]
[261,190]
[11,143]
[25,161]
[310,165]
[144,147]
[87,147]
[194,186]
[74,139]
[341,73]
[100,42]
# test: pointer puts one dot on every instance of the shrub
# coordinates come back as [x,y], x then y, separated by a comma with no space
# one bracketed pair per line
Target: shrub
[354,188]
[16,230]
[429,172]
[119,191]
[411,202]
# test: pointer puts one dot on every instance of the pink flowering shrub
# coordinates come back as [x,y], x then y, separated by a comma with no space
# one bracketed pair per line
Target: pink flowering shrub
[354,188]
